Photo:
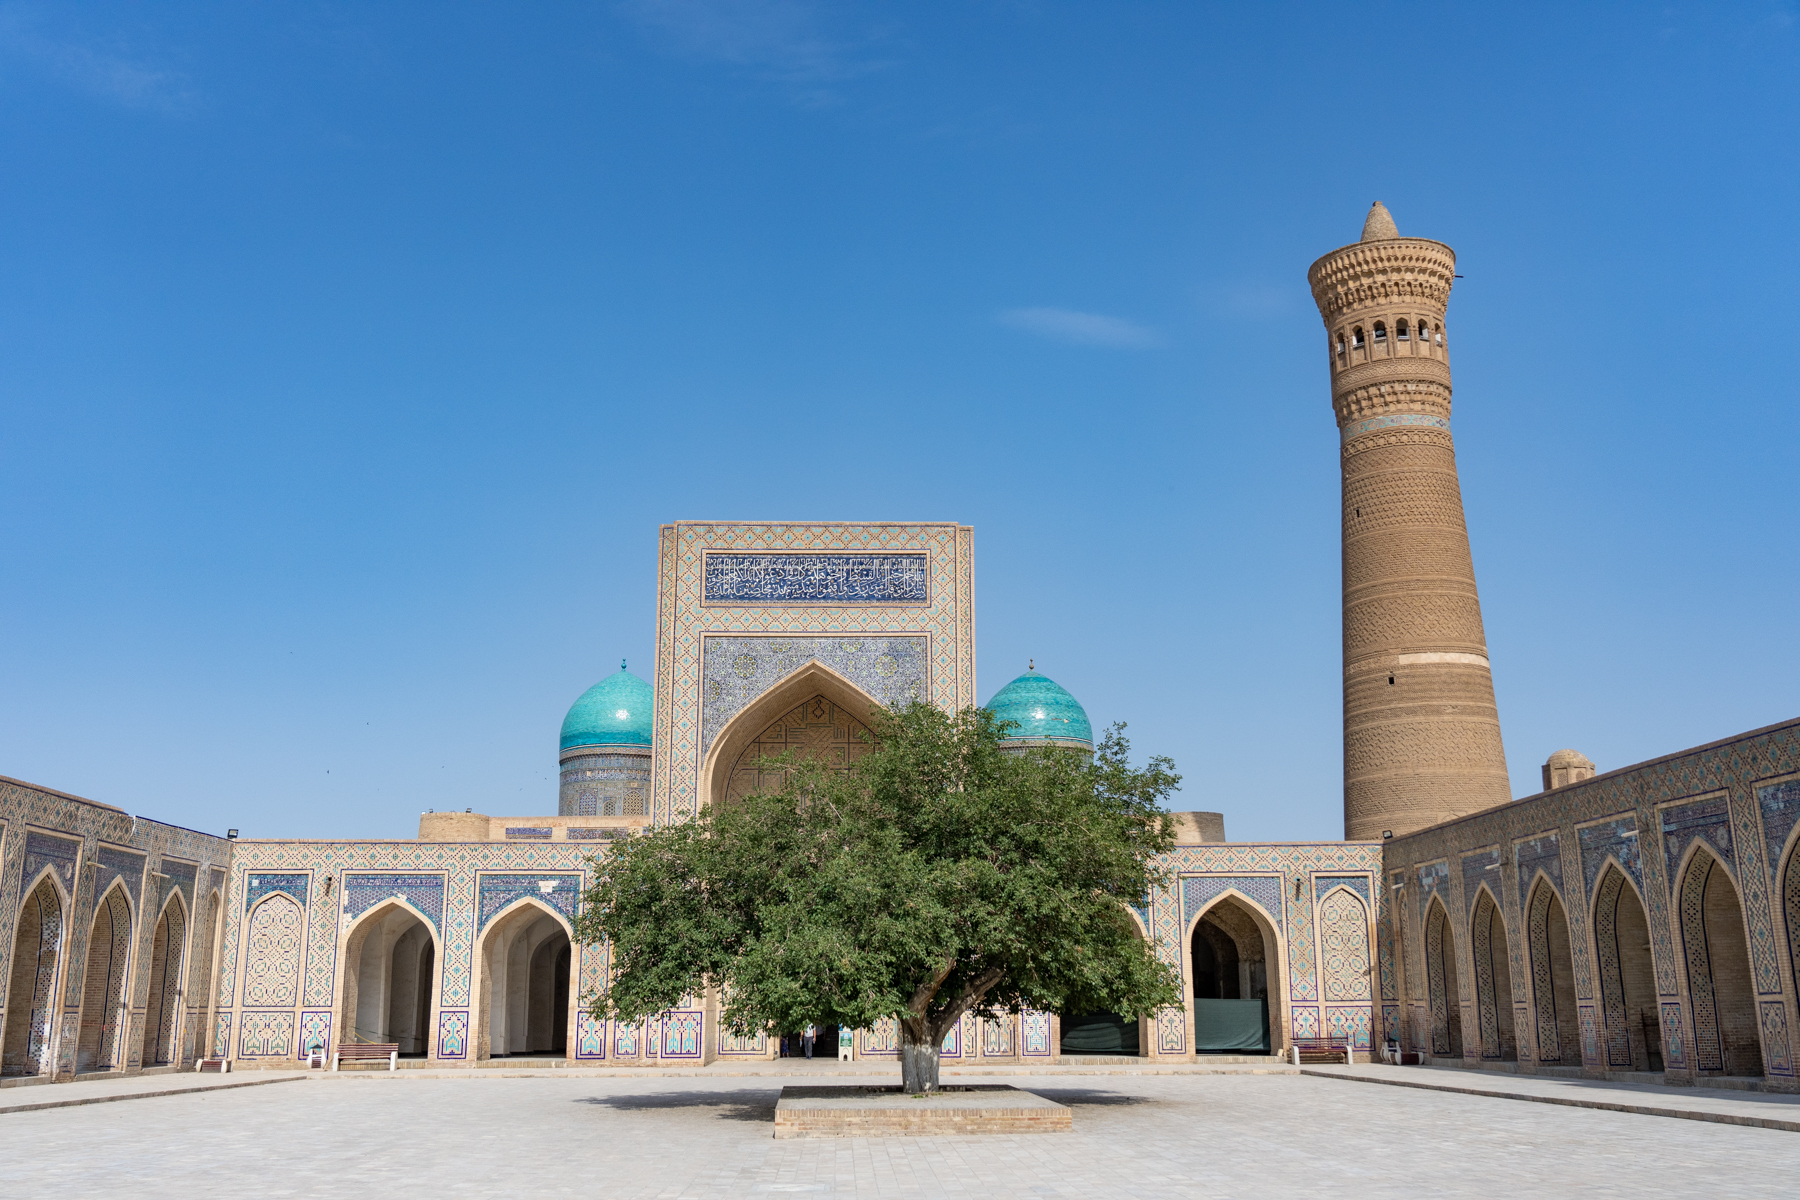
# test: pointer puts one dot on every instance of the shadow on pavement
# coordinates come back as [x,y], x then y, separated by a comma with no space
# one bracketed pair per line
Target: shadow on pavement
[1086,1097]
[745,1105]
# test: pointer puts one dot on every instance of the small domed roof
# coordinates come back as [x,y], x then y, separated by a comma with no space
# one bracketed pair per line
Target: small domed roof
[1379,225]
[1569,758]
[614,712]
[1043,712]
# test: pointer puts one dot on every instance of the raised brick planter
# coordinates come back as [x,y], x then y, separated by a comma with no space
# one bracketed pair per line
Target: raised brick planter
[862,1111]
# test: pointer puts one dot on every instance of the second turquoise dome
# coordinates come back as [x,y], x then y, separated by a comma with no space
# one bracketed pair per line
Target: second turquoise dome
[614,712]
[1043,712]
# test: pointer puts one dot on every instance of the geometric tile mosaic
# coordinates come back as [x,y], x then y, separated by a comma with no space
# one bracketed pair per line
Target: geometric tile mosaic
[267,1035]
[364,890]
[561,892]
[261,885]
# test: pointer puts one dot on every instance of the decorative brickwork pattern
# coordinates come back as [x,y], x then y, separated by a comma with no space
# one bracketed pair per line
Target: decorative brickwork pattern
[1421,732]
[1197,891]
[1442,1006]
[163,1017]
[272,955]
[31,1014]
[1708,1049]
[103,1001]
[1543,989]
[1612,981]
[1487,1002]
[1344,946]
[815,729]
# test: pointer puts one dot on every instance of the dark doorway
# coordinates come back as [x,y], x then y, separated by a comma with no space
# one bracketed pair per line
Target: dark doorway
[1231,981]
[825,1043]
[1100,1033]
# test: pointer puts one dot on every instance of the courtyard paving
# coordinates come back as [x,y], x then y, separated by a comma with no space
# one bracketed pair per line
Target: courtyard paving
[1137,1136]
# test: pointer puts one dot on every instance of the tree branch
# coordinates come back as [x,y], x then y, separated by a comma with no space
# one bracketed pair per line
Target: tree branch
[922,998]
[970,997]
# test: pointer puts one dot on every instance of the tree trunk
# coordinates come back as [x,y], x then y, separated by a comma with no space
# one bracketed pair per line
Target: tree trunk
[919,1066]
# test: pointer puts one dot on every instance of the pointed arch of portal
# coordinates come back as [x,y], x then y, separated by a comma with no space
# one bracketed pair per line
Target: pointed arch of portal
[1234,900]
[161,1044]
[797,687]
[39,939]
[525,981]
[1492,956]
[389,989]
[1443,989]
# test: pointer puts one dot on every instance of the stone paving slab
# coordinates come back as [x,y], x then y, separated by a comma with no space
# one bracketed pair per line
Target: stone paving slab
[1202,1137]
[808,1110]
[1763,1110]
[137,1087]
[826,1069]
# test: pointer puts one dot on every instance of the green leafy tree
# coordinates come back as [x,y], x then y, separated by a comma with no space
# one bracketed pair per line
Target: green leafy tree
[939,875]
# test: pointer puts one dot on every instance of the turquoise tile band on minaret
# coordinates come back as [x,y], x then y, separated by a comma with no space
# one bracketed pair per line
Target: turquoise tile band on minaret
[1354,428]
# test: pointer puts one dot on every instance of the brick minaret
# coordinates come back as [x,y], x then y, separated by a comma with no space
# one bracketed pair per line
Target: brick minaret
[1421,733]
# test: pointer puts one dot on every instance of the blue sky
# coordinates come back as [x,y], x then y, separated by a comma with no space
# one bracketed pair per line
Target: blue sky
[351,355]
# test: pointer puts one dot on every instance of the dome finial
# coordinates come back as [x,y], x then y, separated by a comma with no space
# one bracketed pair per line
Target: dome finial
[1031,664]
[1380,227]
[621,664]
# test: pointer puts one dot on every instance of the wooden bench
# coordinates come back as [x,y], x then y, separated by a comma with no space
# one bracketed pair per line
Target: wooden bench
[218,1066]
[1322,1050]
[367,1052]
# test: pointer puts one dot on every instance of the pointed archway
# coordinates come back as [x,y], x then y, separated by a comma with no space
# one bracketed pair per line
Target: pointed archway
[1720,992]
[1442,986]
[99,1046]
[787,717]
[525,959]
[162,1008]
[1558,1024]
[31,984]
[1493,980]
[1627,977]
[1231,956]
[390,968]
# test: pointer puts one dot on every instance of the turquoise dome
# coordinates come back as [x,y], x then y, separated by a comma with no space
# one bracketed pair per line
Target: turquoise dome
[1044,712]
[614,712]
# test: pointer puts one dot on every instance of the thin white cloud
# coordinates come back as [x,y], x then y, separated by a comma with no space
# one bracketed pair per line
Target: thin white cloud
[782,41]
[113,72]
[1083,329]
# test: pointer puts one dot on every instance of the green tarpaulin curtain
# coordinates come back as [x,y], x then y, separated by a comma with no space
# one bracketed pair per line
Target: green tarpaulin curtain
[1231,1025]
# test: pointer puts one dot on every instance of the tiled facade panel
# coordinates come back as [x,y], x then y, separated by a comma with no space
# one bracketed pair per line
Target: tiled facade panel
[889,606]
[1713,892]
[83,890]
